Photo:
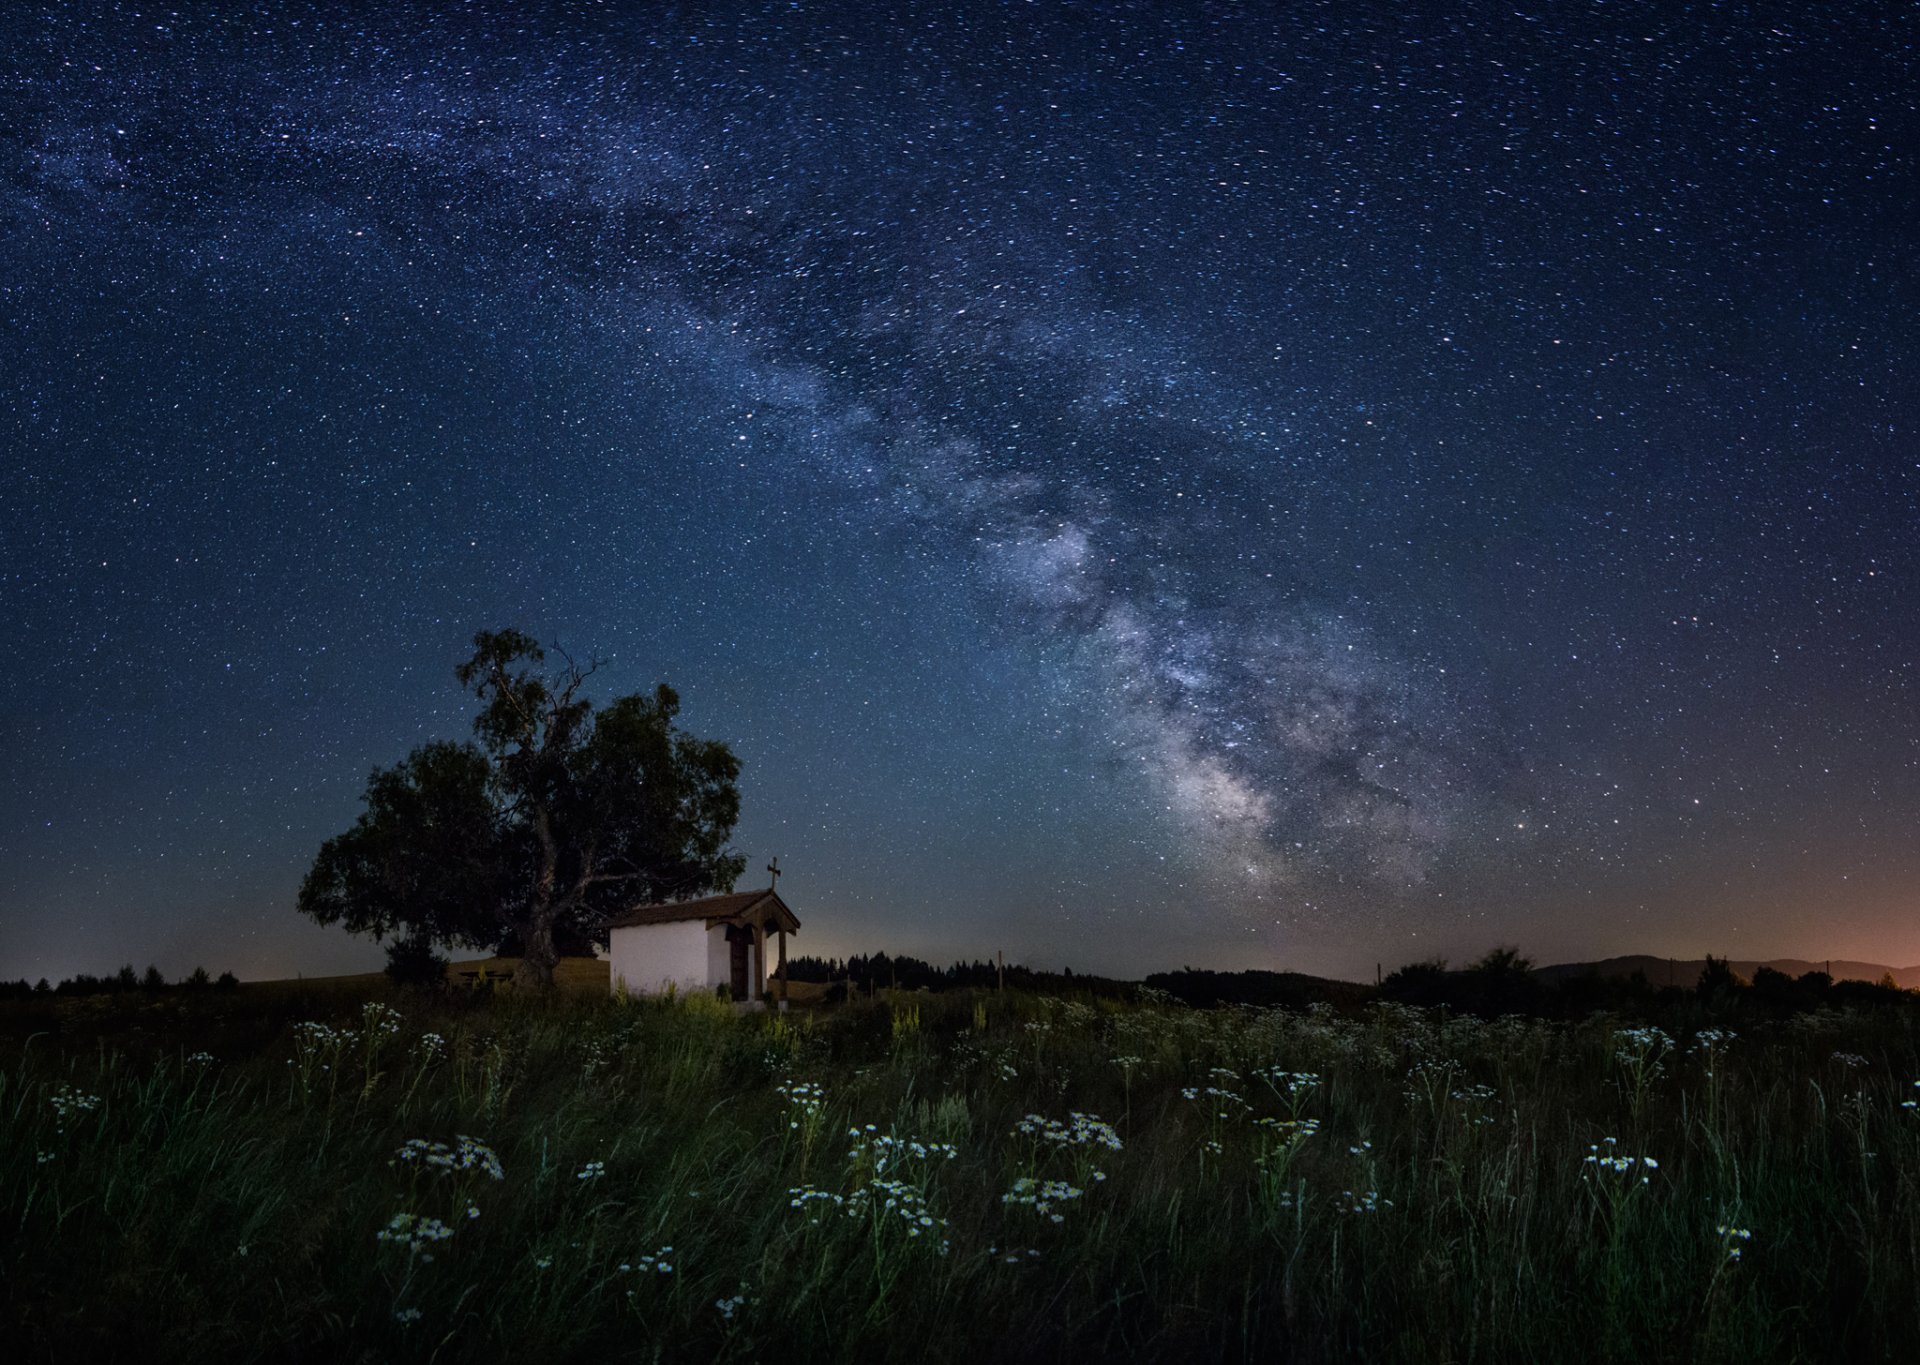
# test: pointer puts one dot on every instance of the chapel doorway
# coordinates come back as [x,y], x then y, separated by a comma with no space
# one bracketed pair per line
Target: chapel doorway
[738,940]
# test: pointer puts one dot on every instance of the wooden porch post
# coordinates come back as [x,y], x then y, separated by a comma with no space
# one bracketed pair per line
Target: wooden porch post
[759,963]
[783,970]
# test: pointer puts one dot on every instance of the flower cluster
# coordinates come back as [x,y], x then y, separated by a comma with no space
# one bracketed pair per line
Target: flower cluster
[1606,1158]
[378,1020]
[803,1196]
[808,1100]
[1643,1045]
[1732,1238]
[884,1151]
[1367,1201]
[1220,1097]
[593,1170]
[416,1231]
[465,1155]
[1043,1196]
[67,1102]
[311,1034]
[653,1263]
[1080,1130]
[731,1305]
[898,1198]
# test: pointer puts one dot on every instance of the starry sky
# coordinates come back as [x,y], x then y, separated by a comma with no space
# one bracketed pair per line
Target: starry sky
[1138,484]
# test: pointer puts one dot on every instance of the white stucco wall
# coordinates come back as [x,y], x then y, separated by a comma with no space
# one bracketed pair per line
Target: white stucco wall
[645,957]
[719,959]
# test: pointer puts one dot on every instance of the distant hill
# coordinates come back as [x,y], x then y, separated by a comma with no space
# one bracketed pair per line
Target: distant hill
[1662,971]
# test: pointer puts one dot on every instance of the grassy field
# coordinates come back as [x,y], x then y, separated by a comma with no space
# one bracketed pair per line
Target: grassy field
[304,1173]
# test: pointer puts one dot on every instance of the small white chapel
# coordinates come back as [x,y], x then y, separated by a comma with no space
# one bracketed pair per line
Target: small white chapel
[715,946]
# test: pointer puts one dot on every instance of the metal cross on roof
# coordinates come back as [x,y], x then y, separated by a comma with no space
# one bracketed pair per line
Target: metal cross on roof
[774,868]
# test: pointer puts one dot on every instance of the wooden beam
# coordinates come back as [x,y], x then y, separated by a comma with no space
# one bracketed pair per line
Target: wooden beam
[759,963]
[783,969]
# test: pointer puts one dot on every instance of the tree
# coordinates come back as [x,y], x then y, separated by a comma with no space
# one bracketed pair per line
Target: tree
[553,816]
[1718,982]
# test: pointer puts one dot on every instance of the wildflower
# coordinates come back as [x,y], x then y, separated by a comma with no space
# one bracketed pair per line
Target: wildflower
[67,1102]
[593,1170]
[407,1315]
[1044,1197]
[1607,1159]
[200,1059]
[466,1154]
[42,1158]
[808,1101]
[1732,1237]
[416,1232]
[653,1263]
[378,1020]
[473,1211]
[729,1306]
[1368,1201]
[1080,1130]
[544,1263]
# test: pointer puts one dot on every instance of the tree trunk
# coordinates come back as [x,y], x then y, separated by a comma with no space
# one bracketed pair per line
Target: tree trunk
[537,957]
[534,974]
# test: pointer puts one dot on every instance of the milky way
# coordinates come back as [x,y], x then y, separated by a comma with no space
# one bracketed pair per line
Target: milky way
[1381,479]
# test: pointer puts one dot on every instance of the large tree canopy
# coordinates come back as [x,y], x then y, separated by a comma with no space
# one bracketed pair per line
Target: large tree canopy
[529,835]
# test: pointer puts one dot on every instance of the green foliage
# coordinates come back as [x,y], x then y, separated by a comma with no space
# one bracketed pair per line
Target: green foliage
[1042,1180]
[414,962]
[553,816]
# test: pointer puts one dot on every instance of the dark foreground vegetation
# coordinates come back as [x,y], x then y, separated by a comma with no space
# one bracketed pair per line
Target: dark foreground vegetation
[251,1174]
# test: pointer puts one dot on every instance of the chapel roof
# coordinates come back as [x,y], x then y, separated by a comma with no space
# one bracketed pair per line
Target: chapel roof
[763,906]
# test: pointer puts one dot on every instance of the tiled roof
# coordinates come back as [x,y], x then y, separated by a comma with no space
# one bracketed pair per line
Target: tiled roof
[733,906]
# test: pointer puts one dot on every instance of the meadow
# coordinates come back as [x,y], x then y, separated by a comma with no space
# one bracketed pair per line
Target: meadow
[357,1175]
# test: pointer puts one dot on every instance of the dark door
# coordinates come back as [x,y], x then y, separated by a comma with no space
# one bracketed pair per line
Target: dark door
[739,955]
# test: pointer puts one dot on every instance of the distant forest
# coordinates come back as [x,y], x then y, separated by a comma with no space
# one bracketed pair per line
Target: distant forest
[126,979]
[1502,982]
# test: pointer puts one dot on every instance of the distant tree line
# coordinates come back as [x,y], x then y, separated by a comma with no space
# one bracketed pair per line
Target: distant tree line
[1504,982]
[1501,982]
[864,974]
[121,982]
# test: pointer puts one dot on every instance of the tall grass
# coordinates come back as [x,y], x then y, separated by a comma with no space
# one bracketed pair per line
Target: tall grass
[966,1177]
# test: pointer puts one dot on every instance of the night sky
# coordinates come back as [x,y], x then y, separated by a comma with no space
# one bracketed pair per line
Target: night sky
[1284,485]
